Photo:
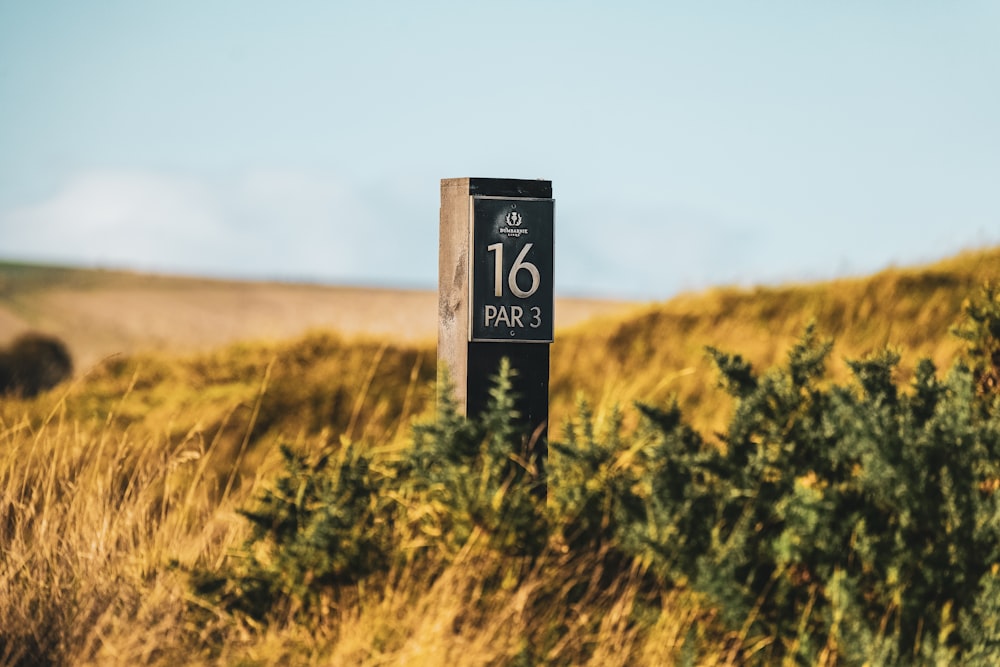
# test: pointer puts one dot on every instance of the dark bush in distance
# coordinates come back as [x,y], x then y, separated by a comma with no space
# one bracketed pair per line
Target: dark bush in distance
[33,363]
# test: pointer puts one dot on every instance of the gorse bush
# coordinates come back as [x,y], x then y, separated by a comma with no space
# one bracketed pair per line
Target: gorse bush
[321,526]
[847,523]
[859,521]
[854,519]
[461,477]
[981,331]
[336,517]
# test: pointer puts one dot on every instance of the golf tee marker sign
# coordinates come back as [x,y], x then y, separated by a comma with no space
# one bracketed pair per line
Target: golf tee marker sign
[510,285]
[495,293]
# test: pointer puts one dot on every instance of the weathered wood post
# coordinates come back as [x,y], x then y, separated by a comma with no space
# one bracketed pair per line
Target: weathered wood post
[495,293]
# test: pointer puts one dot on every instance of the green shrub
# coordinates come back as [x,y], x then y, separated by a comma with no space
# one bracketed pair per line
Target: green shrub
[857,519]
[337,517]
[853,523]
[593,491]
[463,477]
[981,331]
[324,524]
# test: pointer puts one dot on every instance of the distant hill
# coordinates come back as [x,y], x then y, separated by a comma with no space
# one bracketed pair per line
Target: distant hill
[100,313]
[610,352]
[659,352]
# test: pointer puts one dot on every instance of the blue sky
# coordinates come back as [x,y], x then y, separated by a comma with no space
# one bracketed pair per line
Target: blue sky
[688,144]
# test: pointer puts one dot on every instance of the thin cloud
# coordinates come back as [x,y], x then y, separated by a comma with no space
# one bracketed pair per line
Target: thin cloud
[267,223]
[115,217]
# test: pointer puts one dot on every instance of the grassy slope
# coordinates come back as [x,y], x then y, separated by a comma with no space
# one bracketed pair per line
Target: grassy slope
[660,352]
[649,353]
[370,388]
[101,313]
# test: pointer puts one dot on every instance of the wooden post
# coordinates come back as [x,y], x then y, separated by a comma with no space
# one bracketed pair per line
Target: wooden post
[495,293]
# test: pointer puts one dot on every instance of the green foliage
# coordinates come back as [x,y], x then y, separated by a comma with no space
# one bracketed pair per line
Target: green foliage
[859,518]
[594,488]
[335,518]
[464,477]
[981,331]
[682,475]
[324,524]
[857,522]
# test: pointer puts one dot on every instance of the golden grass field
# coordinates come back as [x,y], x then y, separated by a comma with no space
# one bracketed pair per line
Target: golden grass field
[115,482]
[99,313]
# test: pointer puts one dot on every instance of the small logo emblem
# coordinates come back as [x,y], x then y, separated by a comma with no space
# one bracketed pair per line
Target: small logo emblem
[513,221]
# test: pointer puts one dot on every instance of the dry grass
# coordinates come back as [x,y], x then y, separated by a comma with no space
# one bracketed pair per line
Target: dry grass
[110,487]
[658,353]
[91,515]
[101,313]
[100,520]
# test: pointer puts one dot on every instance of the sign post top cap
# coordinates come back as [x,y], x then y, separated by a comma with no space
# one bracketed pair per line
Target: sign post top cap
[502,187]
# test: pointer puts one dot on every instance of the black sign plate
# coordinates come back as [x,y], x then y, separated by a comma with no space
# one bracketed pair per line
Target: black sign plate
[511,269]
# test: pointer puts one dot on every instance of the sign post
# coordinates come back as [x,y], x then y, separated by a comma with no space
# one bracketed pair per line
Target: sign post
[495,294]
